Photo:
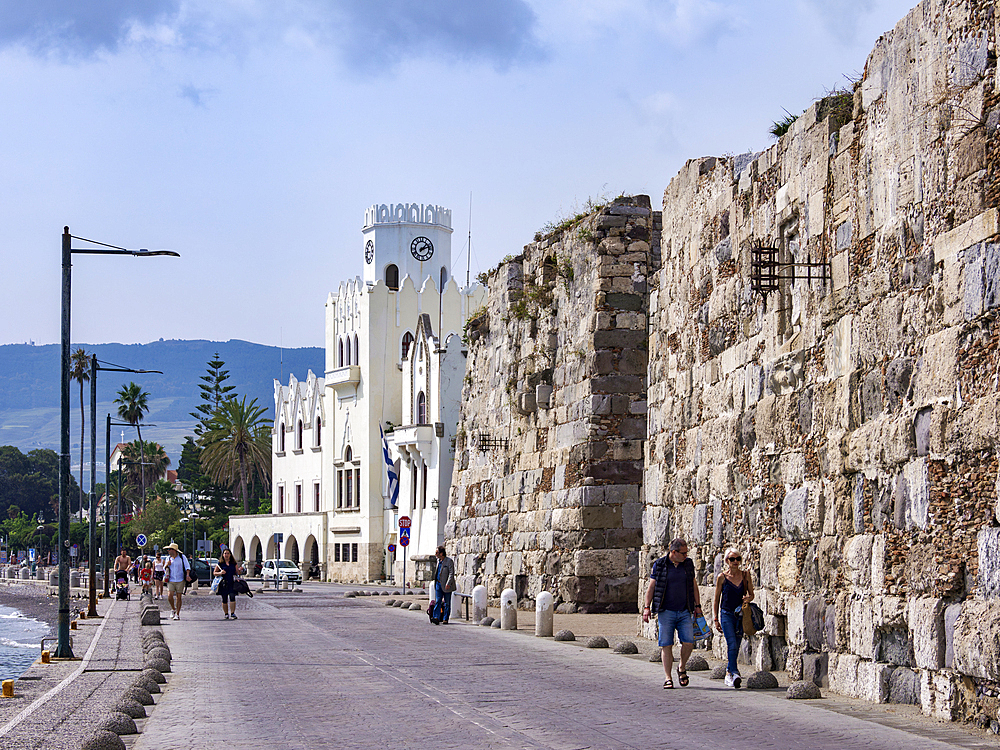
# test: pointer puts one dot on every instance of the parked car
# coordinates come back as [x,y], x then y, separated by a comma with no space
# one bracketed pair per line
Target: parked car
[281,568]
[202,567]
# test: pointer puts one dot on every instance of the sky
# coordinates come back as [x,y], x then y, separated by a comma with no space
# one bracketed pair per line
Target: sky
[251,135]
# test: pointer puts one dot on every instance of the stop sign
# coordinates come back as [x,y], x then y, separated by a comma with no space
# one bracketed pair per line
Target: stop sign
[404,522]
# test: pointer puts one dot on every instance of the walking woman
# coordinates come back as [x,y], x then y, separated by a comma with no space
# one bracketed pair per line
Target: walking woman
[228,568]
[158,575]
[733,589]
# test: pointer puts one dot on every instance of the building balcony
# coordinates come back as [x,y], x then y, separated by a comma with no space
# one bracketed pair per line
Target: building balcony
[344,380]
[413,439]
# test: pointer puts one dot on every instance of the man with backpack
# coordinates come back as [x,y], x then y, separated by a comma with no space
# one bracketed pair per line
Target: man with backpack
[176,574]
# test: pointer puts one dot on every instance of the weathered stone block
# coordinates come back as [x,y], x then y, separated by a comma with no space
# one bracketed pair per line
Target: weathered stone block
[815,622]
[795,514]
[788,569]
[770,552]
[815,669]
[904,686]
[873,681]
[601,517]
[977,639]
[602,562]
[844,675]
[925,617]
[988,543]
[795,625]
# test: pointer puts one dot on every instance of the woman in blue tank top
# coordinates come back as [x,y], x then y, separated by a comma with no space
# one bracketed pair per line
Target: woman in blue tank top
[733,589]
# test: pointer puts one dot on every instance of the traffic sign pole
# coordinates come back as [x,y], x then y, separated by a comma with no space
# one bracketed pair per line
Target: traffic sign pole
[404,542]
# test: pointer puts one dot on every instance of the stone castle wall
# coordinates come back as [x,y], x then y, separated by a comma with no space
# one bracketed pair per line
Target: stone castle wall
[549,455]
[843,432]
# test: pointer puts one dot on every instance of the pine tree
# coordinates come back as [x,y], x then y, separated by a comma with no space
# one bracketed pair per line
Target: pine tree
[213,392]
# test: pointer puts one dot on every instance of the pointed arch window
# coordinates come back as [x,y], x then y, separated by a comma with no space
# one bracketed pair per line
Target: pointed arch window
[318,431]
[407,343]
[392,276]
[281,437]
[298,435]
[421,408]
[444,278]
[340,353]
[357,351]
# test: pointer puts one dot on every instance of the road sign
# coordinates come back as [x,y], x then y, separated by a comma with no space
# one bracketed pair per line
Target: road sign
[392,547]
[404,541]
[404,533]
[74,550]
[141,540]
[278,537]
[404,522]
[31,554]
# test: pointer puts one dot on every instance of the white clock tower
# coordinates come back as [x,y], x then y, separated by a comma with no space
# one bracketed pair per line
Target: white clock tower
[407,239]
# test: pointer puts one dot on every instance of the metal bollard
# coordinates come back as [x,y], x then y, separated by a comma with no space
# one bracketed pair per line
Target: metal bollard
[508,610]
[478,604]
[8,688]
[46,657]
[543,615]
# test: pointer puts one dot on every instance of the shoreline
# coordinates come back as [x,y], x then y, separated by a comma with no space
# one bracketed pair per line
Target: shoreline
[31,601]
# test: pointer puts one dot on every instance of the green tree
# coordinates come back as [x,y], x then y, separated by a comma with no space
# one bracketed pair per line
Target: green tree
[237,446]
[31,481]
[133,404]
[159,516]
[163,490]
[214,392]
[145,464]
[80,372]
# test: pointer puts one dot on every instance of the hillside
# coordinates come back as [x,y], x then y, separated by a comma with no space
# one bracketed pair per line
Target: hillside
[29,388]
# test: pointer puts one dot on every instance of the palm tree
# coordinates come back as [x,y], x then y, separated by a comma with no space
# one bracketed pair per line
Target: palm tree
[237,446]
[132,407]
[80,372]
[146,463]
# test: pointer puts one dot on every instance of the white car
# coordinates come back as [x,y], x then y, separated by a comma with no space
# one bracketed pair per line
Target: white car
[283,568]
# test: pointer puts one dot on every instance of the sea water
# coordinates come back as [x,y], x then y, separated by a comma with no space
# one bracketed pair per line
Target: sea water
[20,639]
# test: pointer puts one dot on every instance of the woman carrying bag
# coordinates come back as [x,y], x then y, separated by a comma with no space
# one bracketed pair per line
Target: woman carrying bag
[733,590]
[228,569]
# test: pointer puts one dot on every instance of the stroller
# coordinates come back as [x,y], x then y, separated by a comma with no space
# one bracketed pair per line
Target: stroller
[121,585]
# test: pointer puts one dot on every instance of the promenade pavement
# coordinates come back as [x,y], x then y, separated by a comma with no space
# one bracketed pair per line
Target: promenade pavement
[315,670]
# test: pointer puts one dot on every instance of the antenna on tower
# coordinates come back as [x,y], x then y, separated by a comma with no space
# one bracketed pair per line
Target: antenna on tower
[468,262]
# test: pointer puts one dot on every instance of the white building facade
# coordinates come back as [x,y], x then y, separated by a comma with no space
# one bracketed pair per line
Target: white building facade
[331,501]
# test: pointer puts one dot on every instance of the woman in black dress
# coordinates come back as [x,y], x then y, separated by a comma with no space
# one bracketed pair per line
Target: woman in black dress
[228,568]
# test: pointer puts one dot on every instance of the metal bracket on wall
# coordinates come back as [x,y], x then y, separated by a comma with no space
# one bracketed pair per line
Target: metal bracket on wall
[766,272]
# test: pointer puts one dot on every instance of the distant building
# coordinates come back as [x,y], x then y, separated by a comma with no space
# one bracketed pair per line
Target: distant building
[395,360]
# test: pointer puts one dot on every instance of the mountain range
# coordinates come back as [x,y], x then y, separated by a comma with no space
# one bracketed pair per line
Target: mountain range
[29,389]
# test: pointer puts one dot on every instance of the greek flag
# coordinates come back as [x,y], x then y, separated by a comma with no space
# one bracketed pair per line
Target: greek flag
[390,472]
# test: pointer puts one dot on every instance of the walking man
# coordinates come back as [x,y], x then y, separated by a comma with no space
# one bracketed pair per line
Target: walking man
[674,597]
[176,572]
[123,564]
[444,584]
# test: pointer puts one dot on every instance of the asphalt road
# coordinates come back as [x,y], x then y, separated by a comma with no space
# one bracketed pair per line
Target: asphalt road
[315,670]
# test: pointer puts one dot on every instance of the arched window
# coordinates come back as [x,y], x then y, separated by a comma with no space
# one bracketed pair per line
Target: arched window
[348,479]
[281,437]
[318,432]
[421,408]
[357,351]
[298,435]
[392,277]
[407,343]
[444,278]
[340,353]
[347,352]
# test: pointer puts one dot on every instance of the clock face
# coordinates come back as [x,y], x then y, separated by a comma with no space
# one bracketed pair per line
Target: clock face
[369,251]
[422,248]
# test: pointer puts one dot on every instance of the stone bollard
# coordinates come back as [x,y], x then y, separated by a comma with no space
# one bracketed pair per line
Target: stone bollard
[25,574]
[41,574]
[543,615]
[74,579]
[53,579]
[478,603]
[508,609]
[284,583]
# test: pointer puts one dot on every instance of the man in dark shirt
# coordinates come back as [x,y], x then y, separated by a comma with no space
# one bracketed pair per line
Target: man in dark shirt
[674,597]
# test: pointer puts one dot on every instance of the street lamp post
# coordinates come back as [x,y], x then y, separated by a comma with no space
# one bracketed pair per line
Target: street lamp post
[63,649]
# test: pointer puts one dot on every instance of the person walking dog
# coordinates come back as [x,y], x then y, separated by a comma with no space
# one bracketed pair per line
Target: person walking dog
[673,596]
[444,584]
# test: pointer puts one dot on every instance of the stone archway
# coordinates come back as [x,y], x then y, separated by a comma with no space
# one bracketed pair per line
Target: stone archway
[238,548]
[292,549]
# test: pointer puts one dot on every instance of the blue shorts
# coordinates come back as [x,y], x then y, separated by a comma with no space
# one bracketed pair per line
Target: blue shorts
[668,620]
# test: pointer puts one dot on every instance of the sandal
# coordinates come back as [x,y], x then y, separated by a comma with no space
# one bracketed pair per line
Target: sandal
[668,684]
[682,677]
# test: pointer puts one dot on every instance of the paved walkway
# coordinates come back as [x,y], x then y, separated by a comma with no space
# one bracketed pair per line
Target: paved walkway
[315,670]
